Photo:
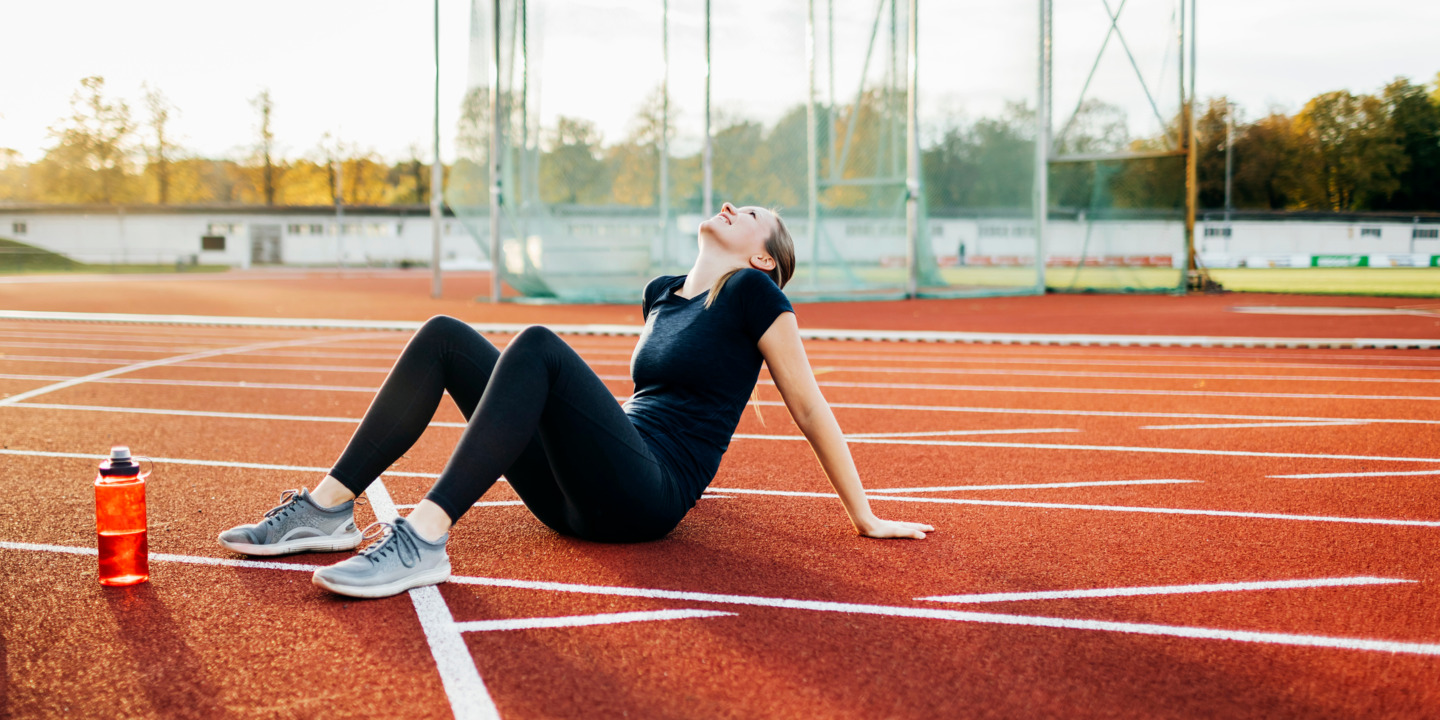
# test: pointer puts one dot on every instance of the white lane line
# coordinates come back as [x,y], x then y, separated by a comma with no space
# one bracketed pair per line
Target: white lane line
[1355,475]
[1129,360]
[21,397]
[807,333]
[1102,508]
[584,620]
[206,463]
[1110,375]
[1226,426]
[1110,391]
[1098,448]
[458,674]
[1030,486]
[243,384]
[936,433]
[1181,631]
[488,503]
[209,413]
[1164,590]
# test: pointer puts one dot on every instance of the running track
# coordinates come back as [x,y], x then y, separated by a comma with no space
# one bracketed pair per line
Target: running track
[1120,531]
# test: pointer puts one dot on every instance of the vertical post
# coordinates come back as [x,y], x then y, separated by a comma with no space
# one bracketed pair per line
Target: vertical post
[1192,195]
[811,159]
[1042,145]
[1229,153]
[664,134]
[707,183]
[436,173]
[912,156]
[830,67]
[339,208]
[495,260]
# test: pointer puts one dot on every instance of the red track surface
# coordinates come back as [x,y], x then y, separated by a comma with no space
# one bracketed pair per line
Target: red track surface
[222,640]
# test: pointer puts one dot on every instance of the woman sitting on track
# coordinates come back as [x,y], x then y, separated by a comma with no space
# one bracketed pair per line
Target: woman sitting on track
[540,416]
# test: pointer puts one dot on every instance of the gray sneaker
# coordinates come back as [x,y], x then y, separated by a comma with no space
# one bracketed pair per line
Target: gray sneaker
[399,560]
[297,524]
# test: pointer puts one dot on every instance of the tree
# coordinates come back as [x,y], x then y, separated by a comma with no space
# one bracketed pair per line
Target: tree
[90,161]
[1414,119]
[265,106]
[160,155]
[1354,146]
[571,170]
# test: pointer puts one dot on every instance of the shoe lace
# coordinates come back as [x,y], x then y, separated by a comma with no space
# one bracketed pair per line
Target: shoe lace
[390,539]
[288,499]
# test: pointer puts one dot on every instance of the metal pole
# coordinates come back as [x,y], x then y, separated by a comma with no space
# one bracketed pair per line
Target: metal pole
[708,159]
[1042,145]
[1229,153]
[830,67]
[1192,196]
[495,152]
[339,207]
[436,174]
[912,158]
[665,134]
[811,159]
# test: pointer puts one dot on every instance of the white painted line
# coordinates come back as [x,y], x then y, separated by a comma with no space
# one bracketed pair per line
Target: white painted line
[1128,359]
[491,503]
[1164,590]
[584,620]
[205,463]
[1098,448]
[1110,391]
[21,397]
[1030,486]
[1009,372]
[1102,508]
[1225,426]
[1355,475]
[937,433]
[1181,631]
[467,693]
[209,413]
[809,334]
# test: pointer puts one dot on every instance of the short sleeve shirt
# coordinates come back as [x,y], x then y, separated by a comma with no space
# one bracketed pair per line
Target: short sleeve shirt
[695,367]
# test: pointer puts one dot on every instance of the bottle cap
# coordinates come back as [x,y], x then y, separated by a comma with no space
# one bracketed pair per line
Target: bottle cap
[120,463]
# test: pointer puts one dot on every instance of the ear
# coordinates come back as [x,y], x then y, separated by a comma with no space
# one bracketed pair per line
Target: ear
[762,262]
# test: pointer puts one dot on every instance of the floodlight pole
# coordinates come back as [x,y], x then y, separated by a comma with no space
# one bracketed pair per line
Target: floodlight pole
[1042,144]
[1229,153]
[812,183]
[912,157]
[1192,196]
[664,134]
[436,174]
[495,152]
[707,160]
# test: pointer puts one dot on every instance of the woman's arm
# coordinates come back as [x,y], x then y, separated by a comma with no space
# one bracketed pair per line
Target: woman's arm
[785,356]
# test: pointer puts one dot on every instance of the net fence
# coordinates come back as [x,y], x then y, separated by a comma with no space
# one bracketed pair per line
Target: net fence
[602,111]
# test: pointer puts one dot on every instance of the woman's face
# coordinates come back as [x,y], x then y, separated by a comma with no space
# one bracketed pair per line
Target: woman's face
[742,232]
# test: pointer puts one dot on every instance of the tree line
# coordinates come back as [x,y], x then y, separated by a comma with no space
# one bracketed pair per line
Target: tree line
[1340,152]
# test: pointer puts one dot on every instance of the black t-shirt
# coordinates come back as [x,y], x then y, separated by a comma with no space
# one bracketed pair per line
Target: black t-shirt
[694,369]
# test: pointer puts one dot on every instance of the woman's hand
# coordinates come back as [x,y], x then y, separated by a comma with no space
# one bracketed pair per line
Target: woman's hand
[877,528]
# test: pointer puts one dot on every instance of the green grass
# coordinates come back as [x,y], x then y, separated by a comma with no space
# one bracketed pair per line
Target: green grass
[1405,282]
[17,258]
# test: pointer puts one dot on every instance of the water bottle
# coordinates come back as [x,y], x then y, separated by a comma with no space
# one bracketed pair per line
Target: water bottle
[120,520]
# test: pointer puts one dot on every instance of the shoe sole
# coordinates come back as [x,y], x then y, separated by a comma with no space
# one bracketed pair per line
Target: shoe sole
[433,576]
[311,544]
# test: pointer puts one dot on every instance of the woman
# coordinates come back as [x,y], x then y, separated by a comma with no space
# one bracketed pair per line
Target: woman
[539,415]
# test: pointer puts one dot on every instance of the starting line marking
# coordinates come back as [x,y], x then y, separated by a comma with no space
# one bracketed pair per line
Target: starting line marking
[584,620]
[1180,631]
[1164,590]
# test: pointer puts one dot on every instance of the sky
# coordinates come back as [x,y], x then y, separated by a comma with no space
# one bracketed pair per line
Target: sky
[362,70]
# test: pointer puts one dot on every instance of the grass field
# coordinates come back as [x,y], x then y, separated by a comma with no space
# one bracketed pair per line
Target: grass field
[17,258]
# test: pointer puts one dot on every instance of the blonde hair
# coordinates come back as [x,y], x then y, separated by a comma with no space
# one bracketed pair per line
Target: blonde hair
[780,246]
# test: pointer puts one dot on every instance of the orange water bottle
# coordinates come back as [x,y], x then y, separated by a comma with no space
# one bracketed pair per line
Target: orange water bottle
[120,520]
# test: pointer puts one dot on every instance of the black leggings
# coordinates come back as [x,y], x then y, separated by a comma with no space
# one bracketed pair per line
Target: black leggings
[537,414]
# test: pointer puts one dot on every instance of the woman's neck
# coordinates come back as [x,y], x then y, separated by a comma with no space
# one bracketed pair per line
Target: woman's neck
[708,268]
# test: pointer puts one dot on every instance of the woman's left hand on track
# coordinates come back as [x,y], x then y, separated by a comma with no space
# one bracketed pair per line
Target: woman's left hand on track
[878,528]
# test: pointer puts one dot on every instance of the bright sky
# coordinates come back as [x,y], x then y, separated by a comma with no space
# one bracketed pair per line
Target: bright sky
[362,69]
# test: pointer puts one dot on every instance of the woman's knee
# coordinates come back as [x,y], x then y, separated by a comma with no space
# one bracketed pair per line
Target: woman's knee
[535,337]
